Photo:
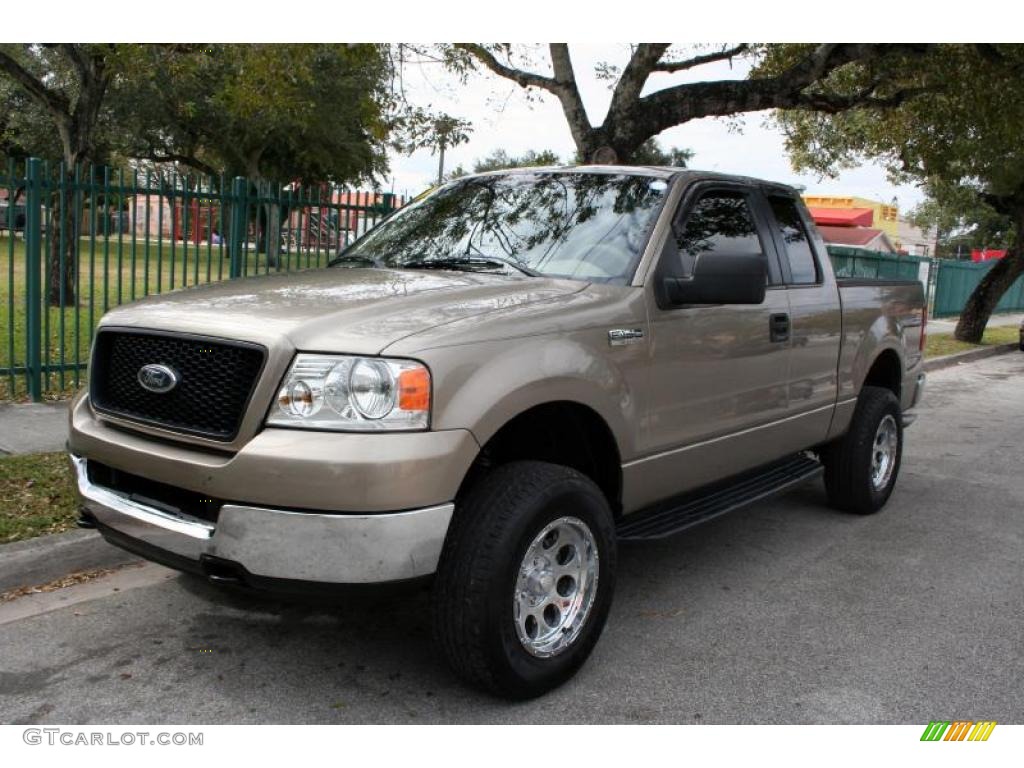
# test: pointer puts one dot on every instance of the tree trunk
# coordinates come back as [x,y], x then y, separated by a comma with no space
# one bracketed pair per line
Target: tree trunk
[62,232]
[981,303]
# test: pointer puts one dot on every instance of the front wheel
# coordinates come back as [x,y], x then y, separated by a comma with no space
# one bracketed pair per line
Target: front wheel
[526,579]
[861,467]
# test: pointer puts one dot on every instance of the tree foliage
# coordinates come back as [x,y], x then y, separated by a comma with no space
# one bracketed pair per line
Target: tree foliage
[960,137]
[275,113]
[963,221]
[649,153]
[68,84]
[652,153]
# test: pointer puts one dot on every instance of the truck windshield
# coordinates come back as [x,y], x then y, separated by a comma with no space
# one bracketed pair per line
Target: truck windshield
[584,226]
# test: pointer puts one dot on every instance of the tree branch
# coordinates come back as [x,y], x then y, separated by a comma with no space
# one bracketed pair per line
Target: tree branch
[705,58]
[74,54]
[568,92]
[562,85]
[56,103]
[520,76]
[645,57]
[689,101]
[833,104]
[174,157]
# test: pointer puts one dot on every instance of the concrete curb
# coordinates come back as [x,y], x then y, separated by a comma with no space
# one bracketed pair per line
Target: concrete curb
[971,355]
[46,558]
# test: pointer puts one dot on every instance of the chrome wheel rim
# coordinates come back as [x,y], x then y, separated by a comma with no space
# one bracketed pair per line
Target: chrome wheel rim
[883,452]
[556,586]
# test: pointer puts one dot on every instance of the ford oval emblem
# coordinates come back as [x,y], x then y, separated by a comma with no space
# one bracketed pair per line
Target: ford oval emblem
[157,378]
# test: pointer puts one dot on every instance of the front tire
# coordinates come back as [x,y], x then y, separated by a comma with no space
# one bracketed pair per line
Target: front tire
[526,579]
[861,467]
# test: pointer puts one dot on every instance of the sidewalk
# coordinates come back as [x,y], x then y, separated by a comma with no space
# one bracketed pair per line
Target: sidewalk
[948,324]
[33,427]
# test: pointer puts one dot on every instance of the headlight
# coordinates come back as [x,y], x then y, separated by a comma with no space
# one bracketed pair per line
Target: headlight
[353,393]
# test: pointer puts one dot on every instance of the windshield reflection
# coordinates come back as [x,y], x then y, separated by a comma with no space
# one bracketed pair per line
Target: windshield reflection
[585,226]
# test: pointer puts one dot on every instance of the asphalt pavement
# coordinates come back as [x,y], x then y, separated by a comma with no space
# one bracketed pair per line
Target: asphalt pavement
[786,612]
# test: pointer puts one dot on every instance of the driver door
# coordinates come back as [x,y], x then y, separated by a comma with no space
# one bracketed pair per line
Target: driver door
[719,374]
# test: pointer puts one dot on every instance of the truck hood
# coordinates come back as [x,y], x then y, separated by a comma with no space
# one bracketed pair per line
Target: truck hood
[359,311]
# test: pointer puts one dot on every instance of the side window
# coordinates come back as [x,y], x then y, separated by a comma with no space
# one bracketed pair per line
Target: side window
[795,239]
[719,225]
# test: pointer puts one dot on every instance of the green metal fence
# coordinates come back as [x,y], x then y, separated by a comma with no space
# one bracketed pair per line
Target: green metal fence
[957,279]
[73,245]
[856,262]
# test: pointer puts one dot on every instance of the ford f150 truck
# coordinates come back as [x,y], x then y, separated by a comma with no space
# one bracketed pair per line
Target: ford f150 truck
[493,388]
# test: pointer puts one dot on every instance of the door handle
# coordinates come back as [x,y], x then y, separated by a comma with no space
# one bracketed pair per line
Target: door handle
[778,327]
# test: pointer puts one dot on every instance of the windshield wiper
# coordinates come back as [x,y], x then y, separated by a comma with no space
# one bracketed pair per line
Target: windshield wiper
[355,259]
[471,263]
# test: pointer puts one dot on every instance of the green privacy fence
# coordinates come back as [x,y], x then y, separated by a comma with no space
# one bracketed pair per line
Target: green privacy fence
[74,244]
[957,279]
[874,265]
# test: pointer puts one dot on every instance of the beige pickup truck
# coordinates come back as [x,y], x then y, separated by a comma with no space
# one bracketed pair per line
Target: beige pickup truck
[493,388]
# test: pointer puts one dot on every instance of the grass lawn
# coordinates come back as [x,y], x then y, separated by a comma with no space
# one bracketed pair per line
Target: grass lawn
[36,496]
[940,344]
[110,273]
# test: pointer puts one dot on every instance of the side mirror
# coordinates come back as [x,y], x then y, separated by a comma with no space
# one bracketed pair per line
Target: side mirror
[721,279]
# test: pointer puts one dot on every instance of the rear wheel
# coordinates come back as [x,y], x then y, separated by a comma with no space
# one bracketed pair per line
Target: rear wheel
[526,579]
[861,467]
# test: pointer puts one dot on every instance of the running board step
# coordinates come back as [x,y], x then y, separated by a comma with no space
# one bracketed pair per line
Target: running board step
[685,511]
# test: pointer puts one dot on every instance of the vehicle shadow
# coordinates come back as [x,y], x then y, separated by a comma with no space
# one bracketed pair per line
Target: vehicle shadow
[366,654]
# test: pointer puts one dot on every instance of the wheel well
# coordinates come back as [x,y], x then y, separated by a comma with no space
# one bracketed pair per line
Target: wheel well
[885,373]
[562,432]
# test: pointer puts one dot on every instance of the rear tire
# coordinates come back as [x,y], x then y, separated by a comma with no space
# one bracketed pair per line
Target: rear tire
[525,580]
[861,467]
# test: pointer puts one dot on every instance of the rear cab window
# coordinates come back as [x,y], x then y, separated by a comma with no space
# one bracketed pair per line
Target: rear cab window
[794,241]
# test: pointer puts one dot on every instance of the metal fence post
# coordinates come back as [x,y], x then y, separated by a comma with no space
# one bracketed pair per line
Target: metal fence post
[33,277]
[236,246]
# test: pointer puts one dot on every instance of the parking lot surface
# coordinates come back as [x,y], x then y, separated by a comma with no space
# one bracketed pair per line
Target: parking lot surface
[785,612]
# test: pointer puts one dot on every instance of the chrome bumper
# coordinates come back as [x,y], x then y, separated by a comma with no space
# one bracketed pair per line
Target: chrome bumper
[281,544]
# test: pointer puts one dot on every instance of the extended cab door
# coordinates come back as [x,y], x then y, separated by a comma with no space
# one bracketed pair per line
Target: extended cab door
[719,376]
[815,316]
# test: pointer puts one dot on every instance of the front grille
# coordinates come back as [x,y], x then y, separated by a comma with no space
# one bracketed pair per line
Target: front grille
[215,380]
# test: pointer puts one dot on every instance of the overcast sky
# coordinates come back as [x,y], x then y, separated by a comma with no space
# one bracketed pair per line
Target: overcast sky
[503,118]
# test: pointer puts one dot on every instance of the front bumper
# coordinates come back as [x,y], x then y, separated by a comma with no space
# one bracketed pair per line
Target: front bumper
[273,544]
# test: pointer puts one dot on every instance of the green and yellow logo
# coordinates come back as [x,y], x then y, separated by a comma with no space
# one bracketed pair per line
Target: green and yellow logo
[958,730]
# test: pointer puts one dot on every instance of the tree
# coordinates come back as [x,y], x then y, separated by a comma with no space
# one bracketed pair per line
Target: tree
[25,129]
[803,81]
[274,113]
[961,138]
[67,83]
[651,153]
[964,221]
